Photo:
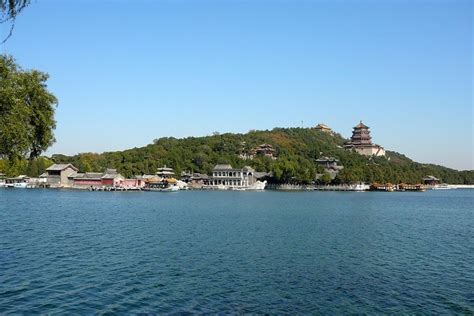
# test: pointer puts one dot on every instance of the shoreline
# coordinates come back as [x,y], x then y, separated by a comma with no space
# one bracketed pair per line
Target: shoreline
[275,188]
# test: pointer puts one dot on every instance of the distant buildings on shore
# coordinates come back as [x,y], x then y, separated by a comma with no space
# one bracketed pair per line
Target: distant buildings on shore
[360,141]
[223,177]
[67,176]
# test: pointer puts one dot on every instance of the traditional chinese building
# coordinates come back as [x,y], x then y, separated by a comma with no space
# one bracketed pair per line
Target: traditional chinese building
[165,173]
[265,150]
[431,180]
[112,178]
[88,179]
[330,165]
[195,178]
[361,142]
[59,175]
[323,128]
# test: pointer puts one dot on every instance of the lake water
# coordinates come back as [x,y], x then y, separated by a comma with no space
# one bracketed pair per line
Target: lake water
[236,252]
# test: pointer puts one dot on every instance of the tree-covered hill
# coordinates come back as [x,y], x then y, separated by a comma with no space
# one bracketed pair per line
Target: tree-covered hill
[297,150]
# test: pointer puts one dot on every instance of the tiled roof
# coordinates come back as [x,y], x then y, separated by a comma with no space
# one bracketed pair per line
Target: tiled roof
[327,159]
[431,178]
[260,175]
[60,167]
[89,176]
[322,126]
[361,125]
[112,175]
[248,169]
[223,167]
[197,176]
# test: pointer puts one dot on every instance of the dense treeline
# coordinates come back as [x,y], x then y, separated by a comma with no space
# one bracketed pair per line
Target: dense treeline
[22,166]
[297,150]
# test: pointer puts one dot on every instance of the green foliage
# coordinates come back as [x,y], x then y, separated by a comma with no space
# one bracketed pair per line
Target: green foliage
[325,178]
[26,112]
[9,9]
[297,150]
[31,167]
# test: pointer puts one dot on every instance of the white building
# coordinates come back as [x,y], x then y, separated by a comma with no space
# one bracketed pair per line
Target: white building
[225,176]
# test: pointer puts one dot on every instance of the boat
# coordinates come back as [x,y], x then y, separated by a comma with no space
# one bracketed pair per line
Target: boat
[162,185]
[410,187]
[237,189]
[20,185]
[257,186]
[442,186]
[221,187]
[20,182]
[386,187]
[172,188]
[359,187]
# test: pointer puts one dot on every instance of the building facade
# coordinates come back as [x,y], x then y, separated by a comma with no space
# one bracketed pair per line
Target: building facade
[323,128]
[361,142]
[330,165]
[227,176]
[59,175]
[112,178]
[88,179]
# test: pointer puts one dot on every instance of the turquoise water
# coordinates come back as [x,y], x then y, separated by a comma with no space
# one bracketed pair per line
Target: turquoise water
[236,252]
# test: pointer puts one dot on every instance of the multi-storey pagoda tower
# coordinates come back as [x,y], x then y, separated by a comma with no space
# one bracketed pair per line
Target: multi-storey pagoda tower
[361,135]
[361,142]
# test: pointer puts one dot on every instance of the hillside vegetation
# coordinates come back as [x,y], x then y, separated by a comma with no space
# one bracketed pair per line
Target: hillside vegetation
[297,149]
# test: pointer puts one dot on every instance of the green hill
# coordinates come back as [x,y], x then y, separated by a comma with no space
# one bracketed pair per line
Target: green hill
[296,148]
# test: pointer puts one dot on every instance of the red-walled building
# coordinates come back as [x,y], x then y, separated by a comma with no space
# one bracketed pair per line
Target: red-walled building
[88,179]
[110,178]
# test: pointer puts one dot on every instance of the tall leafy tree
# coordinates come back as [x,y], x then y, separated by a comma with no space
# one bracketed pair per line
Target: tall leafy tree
[9,9]
[26,111]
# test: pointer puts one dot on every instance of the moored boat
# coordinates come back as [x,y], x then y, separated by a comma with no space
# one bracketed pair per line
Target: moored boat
[20,182]
[411,187]
[387,187]
[359,187]
[164,182]
[442,186]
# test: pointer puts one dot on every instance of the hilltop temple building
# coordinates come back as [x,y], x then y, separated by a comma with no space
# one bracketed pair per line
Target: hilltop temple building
[324,128]
[361,142]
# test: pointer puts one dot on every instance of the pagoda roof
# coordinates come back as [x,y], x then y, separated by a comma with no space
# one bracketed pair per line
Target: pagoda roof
[322,126]
[361,125]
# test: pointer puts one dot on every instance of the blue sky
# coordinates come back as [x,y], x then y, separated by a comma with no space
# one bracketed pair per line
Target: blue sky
[127,72]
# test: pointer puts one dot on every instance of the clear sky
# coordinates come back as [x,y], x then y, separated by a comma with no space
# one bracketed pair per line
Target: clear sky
[127,72]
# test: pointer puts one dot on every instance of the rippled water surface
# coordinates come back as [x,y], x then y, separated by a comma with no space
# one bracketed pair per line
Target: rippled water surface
[262,252]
